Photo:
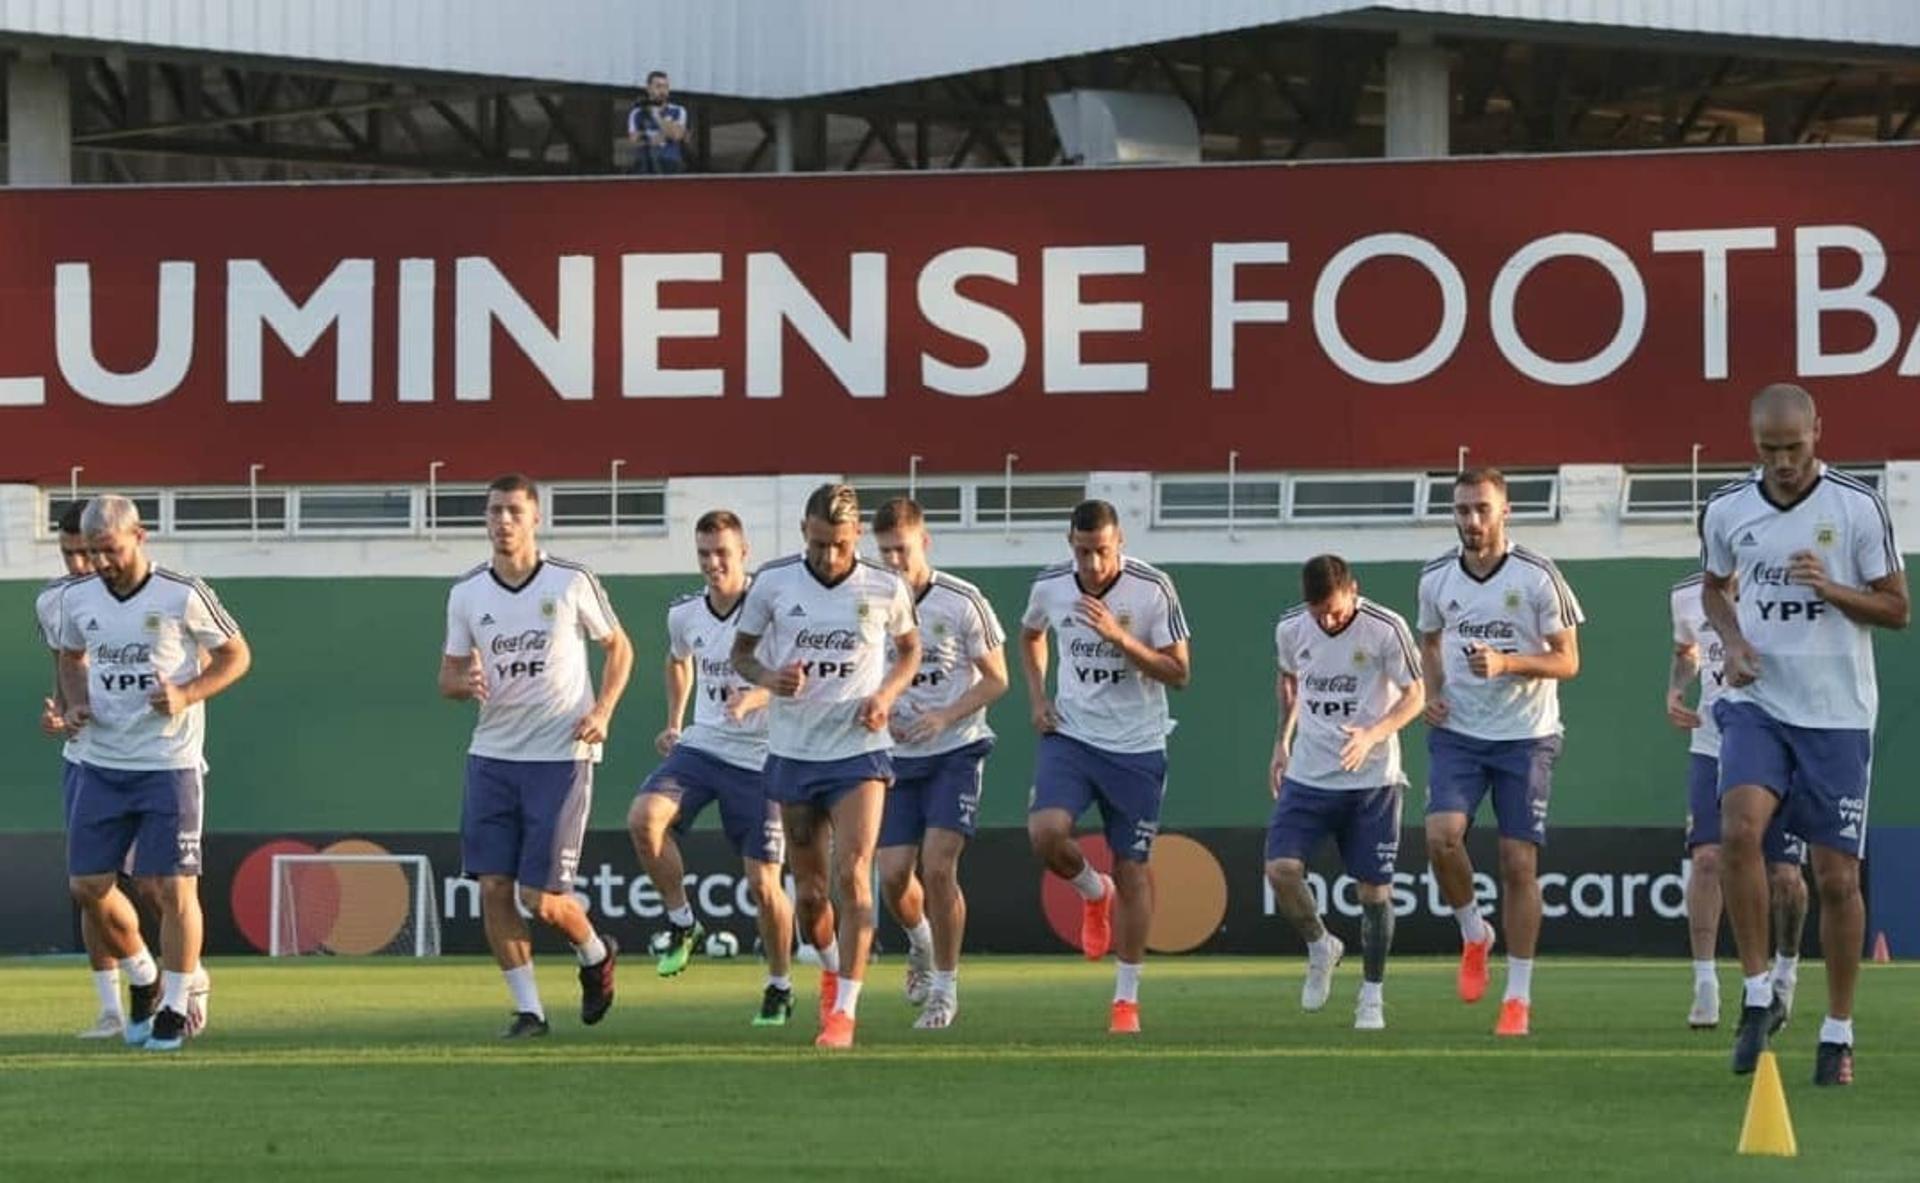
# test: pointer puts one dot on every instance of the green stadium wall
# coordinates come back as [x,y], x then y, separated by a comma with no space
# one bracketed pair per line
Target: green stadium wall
[339,728]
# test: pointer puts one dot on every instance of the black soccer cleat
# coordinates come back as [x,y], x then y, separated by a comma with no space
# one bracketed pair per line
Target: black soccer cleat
[1757,1026]
[525,1025]
[169,1031]
[143,1001]
[1833,1064]
[776,1007]
[596,984]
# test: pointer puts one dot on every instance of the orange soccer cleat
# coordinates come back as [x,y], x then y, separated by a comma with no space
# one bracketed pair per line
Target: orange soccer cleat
[1096,923]
[836,1032]
[1513,1017]
[1126,1019]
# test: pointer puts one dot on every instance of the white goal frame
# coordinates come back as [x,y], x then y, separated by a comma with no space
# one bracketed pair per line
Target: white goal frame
[422,894]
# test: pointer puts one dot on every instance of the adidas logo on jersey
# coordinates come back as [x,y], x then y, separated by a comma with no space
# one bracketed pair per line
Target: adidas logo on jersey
[93,626]
[1747,539]
[486,618]
[1453,605]
[699,642]
[796,610]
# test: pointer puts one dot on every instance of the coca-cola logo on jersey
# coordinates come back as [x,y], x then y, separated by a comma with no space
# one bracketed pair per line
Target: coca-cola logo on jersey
[131,653]
[1080,648]
[1491,630]
[531,641]
[716,669]
[1333,684]
[842,639]
[1768,575]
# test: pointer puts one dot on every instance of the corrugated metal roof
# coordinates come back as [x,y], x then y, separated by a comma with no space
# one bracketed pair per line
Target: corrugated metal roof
[793,48]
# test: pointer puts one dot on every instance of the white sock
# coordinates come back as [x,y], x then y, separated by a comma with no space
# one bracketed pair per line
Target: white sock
[1126,981]
[1370,992]
[1322,949]
[829,958]
[921,935]
[1473,929]
[1834,1030]
[173,991]
[526,993]
[1759,989]
[1089,883]
[847,1000]
[681,917]
[1703,974]
[140,968]
[946,982]
[1785,968]
[780,981]
[106,983]
[1520,979]
[592,951]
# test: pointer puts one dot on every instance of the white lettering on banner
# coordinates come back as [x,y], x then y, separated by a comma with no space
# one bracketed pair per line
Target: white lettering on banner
[643,323]
[776,298]
[1064,318]
[986,326]
[615,895]
[1626,337]
[482,297]
[1432,355]
[417,280]
[1229,310]
[1810,300]
[1592,895]
[73,338]
[255,300]
[1714,246]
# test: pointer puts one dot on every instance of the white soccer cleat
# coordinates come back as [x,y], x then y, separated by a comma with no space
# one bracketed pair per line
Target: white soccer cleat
[107,1026]
[1319,983]
[1370,1014]
[199,995]
[938,1014]
[919,976]
[1706,1006]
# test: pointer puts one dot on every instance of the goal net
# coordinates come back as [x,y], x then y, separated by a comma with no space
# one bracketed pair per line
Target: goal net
[354,905]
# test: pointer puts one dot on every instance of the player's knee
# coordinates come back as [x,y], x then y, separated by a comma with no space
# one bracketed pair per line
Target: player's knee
[1839,885]
[1705,860]
[1045,835]
[496,891]
[941,877]
[1286,874]
[1786,883]
[1519,865]
[854,881]
[89,889]
[1375,893]
[1130,879]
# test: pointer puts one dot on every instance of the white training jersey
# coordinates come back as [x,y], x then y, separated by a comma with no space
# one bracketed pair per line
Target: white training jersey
[1816,666]
[1101,697]
[1514,609]
[134,643]
[837,633]
[957,629]
[1350,678]
[697,633]
[532,641]
[46,611]
[1691,627]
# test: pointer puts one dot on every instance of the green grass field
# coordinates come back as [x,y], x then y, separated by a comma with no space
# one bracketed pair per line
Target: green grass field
[354,1070]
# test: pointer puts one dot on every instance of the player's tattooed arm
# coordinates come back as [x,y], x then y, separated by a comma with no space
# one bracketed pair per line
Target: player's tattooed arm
[1680,674]
[784,682]
[1882,603]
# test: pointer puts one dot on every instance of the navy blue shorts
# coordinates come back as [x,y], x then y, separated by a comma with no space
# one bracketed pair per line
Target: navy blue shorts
[1364,825]
[694,780]
[1127,786]
[1703,816]
[824,782]
[153,814]
[1821,775]
[526,819]
[940,792]
[1519,772]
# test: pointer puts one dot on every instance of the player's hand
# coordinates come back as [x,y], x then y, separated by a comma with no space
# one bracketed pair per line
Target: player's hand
[742,703]
[1740,662]
[1485,660]
[1276,770]
[663,743]
[789,680]
[592,727]
[1436,711]
[1098,617]
[1360,744]
[1679,714]
[168,699]
[1046,720]
[874,711]
[52,722]
[476,688]
[921,727]
[1807,569]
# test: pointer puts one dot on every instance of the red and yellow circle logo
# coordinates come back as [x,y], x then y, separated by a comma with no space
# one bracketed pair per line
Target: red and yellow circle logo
[348,908]
[1190,894]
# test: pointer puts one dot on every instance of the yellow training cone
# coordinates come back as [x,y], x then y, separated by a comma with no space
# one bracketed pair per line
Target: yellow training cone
[1768,1129]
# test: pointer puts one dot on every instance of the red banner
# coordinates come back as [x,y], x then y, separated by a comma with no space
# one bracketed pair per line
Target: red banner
[1539,311]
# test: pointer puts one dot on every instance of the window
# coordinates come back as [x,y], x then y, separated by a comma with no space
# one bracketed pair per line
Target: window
[1217,501]
[1027,502]
[148,502]
[1677,494]
[229,511]
[458,509]
[1355,498]
[942,502]
[354,511]
[1533,496]
[592,506]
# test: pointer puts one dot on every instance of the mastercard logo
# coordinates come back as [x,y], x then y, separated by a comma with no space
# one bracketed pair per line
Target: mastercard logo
[350,909]
[1189,887]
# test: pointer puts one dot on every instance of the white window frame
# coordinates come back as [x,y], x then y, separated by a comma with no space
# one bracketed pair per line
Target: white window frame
[1232,515]
[1551,513]
[550,492]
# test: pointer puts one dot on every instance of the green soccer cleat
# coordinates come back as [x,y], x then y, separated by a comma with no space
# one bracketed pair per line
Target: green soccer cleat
[679,947]
[776,1007]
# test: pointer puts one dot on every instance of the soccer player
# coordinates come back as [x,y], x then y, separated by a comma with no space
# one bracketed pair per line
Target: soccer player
[718,759]
[941,742]
[143,973]
[1698,654]
[1336,770]
[517,628]
[142,650]
[1103,735]
[1497,625]
[825,616]
[1818,569]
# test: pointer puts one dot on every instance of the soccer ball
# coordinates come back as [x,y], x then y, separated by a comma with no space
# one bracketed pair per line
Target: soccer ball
[723,944]
[660,942]
[199,992]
